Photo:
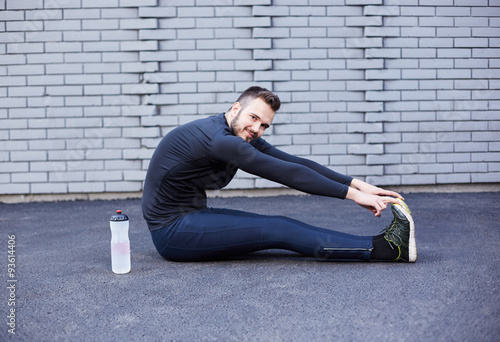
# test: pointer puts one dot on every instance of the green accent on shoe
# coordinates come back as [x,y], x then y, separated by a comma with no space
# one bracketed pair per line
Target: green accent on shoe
[404,205]
[400,234]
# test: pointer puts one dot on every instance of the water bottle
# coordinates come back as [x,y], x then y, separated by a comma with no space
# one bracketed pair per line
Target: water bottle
[120,244]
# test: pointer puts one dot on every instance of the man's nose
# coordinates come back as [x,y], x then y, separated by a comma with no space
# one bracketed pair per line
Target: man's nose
[256,127]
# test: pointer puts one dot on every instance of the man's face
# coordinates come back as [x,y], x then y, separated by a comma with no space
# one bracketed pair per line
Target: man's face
[250,122]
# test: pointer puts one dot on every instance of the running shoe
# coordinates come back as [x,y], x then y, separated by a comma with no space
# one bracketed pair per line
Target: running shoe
[401,233]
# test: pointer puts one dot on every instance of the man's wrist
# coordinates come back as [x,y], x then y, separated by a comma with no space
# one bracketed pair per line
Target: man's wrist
[352,192]
[356,184]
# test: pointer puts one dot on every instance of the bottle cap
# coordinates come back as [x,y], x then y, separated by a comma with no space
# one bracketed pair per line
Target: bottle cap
[119,216]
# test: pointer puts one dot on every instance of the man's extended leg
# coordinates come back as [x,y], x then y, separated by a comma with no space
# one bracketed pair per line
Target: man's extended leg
[217,233]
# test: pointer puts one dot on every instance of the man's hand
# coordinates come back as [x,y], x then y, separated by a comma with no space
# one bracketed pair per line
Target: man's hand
[371,189]
[371,197]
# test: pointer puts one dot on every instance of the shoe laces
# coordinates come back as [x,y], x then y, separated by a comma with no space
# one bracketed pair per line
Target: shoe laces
[395,232]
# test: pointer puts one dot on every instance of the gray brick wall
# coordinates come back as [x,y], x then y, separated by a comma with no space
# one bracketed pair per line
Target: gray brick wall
[396,92]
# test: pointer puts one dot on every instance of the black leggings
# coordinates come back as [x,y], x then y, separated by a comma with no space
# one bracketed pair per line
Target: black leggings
[212,234]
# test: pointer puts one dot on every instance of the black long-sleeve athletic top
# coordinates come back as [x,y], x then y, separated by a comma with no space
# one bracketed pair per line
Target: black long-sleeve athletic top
[204,154]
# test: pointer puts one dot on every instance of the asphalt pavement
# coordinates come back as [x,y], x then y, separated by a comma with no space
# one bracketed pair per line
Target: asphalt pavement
[59,278]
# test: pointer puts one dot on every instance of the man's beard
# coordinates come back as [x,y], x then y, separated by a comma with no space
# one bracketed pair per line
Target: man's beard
[236,128]
[234,123]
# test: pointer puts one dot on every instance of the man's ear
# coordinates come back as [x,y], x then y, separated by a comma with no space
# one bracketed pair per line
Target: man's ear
[235,108]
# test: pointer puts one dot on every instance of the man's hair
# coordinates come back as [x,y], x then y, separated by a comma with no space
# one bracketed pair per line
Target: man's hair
[257,92]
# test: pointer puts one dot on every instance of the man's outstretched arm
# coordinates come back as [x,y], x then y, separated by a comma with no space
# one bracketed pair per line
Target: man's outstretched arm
[321,169]
[366,195]
[285,170]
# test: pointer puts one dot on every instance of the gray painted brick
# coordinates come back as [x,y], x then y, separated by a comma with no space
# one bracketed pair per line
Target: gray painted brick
[453,178]
[86,187]
[364,127]
[253,22]
[383,160]
[381,10]
[418,11]
[14,188]
[382,53]
[81,14]
[402,148]
[251,65]
[299,150]
[213,23]
[470,167]
[420,158]
[119,13]
[364,42]
[485,157]
[123,186]
[305,97]
[333,11]
[252,43]
[436,168]
[307,11]
[400,21]
[273,54]
[233,11]
[158,34]
[25,91]
[453,157]
[49,188]
[129,89]
[289,22]
[157,12]
[363,170]
[364,2]
[291,43]
[270,11]
[14,37]
[454,32]
[50,14]
[19,48]
[364,21]
[129,24]
[11,15]
[47,166]
[275,32]
[133,3]
[222,55]
[98,4]
[483,178]
[22,26]
[377,31]
[20,156]
[383,117]
[46,144]
[384,180]
[366,148]
[56,177]
[373,138]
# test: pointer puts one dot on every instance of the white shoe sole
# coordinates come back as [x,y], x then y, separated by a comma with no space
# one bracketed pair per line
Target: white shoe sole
[412,245]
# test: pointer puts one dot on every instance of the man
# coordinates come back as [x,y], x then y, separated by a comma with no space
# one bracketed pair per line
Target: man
[206,153]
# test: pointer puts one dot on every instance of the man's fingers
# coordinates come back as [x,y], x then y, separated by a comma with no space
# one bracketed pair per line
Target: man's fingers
[393,194]
[388,199]
[379,207]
